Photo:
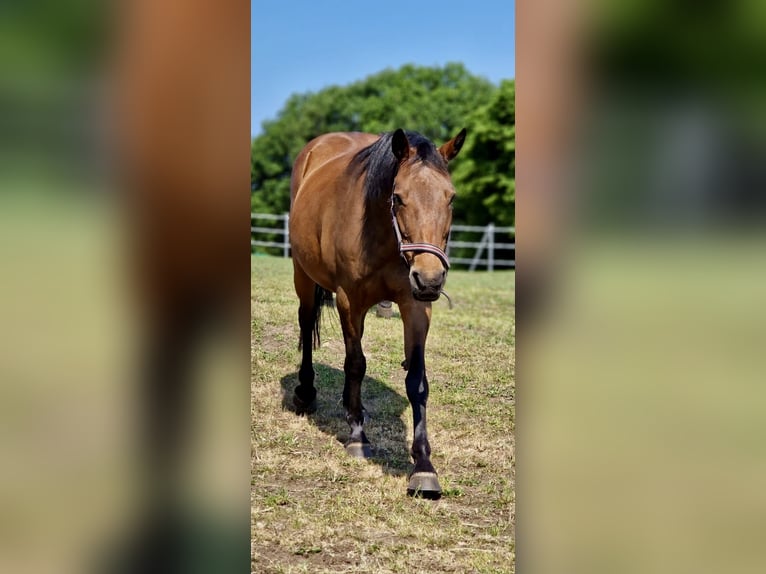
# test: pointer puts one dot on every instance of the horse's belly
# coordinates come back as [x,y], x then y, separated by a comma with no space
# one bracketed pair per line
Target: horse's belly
[311,250]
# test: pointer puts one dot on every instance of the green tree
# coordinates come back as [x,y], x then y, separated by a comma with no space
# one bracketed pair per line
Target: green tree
[436,101]
[485,179]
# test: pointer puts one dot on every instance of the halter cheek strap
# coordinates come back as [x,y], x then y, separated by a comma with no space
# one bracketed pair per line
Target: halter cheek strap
[415,247]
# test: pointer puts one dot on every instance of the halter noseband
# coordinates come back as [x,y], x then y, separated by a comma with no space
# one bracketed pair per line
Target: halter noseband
[415,247]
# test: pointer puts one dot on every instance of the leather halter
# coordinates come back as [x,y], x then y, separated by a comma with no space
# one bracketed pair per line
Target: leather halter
[415,247]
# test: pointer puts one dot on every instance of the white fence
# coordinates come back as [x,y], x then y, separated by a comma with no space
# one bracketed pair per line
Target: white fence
[487,243]
[485,250]
[282,230]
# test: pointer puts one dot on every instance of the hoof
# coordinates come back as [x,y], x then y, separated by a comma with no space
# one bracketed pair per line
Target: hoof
[384,309]
[303,407]
[365,417]
[424,485]
[359,449]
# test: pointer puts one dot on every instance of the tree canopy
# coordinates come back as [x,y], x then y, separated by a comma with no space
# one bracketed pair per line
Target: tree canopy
[436,101]
[486,178]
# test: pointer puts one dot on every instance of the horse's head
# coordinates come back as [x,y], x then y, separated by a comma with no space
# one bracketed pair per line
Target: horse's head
[422,209]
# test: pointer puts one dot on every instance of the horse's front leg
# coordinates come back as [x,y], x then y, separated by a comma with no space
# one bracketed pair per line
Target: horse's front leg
[416,316]
[354,367]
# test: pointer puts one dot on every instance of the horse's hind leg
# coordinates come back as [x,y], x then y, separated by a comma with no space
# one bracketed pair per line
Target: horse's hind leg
[354,367]
[305,394]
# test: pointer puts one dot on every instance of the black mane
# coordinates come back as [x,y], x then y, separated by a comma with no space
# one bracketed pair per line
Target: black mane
[379,165]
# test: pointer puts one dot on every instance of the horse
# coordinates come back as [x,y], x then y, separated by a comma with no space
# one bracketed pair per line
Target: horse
[370,217]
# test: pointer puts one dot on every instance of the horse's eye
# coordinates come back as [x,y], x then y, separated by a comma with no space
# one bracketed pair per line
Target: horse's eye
[452,200]
[398,199]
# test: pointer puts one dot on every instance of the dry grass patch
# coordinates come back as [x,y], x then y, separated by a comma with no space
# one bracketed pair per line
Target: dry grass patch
[314,509]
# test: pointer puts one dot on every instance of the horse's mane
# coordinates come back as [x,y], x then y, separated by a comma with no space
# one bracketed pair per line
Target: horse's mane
[379,165]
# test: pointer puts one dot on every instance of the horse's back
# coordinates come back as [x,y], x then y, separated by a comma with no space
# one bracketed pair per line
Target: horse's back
[329,153]
[325,203]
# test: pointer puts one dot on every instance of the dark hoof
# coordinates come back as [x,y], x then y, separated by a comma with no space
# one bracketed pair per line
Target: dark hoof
[304,407]
[424,485]
[359,449]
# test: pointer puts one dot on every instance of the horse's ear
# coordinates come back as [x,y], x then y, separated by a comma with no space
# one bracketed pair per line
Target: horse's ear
[400,145]
[450,149]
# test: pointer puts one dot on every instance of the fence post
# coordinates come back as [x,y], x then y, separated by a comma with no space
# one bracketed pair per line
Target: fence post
[479,249]
[287,235]
[491,247]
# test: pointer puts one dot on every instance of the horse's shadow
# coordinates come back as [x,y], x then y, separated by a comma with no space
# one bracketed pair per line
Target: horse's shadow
[385,429]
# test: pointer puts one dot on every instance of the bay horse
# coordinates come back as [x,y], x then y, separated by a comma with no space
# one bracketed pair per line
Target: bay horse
[370,217]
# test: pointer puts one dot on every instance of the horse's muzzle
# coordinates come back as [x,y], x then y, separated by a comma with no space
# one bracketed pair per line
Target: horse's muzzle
[423,296]
[427,286]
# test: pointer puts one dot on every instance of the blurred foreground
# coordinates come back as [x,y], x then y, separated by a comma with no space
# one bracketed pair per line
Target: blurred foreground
[641,289]
[124,361]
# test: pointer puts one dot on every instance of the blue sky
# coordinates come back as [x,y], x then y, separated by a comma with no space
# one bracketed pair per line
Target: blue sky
[305,45]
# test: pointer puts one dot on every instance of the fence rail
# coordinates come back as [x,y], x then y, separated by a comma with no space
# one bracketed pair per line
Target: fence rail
[487,243]
[284,231]
[485,249]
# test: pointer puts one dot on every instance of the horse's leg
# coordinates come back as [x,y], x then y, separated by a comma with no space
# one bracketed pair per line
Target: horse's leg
[305,394]
[417,318]
[354,367]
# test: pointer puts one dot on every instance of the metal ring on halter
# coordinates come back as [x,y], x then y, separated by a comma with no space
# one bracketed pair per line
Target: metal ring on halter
[415,247]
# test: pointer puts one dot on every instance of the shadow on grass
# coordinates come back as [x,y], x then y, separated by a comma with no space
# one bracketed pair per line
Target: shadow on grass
[385,429]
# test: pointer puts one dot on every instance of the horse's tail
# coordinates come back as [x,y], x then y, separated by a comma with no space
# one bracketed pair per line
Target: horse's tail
[322,298]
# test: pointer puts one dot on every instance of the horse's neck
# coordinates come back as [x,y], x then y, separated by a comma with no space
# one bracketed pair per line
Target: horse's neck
[378,235]
[378,214]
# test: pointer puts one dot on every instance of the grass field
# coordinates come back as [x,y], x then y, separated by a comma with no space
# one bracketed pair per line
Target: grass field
[314,509]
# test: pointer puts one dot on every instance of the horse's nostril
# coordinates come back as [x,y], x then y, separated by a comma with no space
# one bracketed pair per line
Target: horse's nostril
[416,277]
